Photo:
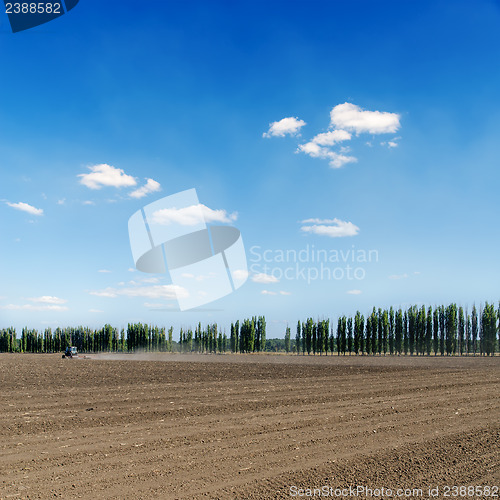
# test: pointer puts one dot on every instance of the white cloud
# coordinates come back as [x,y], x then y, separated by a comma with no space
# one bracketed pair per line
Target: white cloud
[24,207]
[267,292]
[131,270]
[190,216]
[392,143]
[348,116]
[354,292]
[264,278]
[200,277]
[104,271]
[62,201]
[151,292]
[285,293]
[336,160]
[108,292]
[398,276]
[151,186]
[345,119]
[96,311]
[331,138]
[285,126]
[319,221]
[47,299]
[32,307]
[106,175]
[416,272]
[334,228]
[240,274]
[88,202]
[150,280]
[154,305]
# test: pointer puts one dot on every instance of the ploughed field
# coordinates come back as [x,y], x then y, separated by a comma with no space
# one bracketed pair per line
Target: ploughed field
[245,426]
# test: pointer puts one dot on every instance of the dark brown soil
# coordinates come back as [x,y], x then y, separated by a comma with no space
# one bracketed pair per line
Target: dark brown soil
[236,426]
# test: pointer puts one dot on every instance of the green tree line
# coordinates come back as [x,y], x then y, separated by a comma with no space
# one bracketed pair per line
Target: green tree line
[441,330]
[416,331]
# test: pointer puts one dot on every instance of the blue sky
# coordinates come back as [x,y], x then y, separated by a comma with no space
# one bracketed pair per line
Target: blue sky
[192,95]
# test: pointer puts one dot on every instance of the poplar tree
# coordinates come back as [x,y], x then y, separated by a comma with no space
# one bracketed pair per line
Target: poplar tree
[442,329]
[287,340]
[297,339]
[391,330]
[461,330]
[428,332]
[349,335]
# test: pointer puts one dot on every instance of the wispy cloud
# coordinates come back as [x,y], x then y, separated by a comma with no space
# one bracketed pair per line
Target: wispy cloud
[267,292]
[336,160]
[151,186]
[151,292]
[47,299]
[286,126]
[353,292]
[240,274]
[200,277]
[106,175]
[264,278]
[398,276]
[33,307]
[25,207]
[104,271]
[190,216]
[334,228]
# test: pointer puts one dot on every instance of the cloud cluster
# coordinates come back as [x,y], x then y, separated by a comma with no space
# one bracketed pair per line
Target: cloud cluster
[190,216]
[345,119]
[43,303]
[334,228]
[104,175]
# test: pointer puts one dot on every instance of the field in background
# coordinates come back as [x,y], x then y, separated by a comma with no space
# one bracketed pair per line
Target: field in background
[244,426]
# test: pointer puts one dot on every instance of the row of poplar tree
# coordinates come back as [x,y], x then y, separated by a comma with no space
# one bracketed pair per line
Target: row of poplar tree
[250,337]
[443,330]
[417,330]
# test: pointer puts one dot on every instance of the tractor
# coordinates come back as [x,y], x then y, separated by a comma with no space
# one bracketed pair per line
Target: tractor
[70,352]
